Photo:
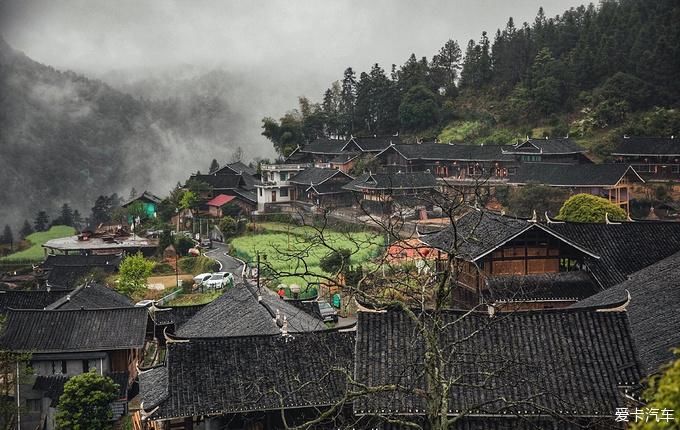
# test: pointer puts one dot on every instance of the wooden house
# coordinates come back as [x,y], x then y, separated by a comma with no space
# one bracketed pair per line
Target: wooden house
[321,187]
[148,201]
[379,193]
[548,150]
[610,181]
[525,264]
[68,342]
[654,158]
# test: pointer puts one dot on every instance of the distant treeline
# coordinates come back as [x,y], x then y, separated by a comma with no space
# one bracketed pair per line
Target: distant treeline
[611,60]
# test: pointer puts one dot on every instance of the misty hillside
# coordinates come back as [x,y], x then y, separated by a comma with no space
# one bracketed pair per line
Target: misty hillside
[593,72]
[67,138]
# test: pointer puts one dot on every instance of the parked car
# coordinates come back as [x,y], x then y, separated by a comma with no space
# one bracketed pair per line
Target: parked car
[328,312]
[215,280]
[206,244]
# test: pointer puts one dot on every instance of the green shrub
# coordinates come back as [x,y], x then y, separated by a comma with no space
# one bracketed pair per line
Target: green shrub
[589,208]
[163,269]
[196,265]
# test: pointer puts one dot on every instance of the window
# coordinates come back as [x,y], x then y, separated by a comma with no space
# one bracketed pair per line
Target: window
[260,192]
[284,176]
[512,171]
[59,367]
[531,158]
[676,168]
[284,192]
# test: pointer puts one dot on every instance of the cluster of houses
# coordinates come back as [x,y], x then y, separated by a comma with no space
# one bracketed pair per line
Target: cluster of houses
[552,325]
[379,174]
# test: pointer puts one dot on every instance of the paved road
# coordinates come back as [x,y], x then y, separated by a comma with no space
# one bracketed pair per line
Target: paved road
[229,263]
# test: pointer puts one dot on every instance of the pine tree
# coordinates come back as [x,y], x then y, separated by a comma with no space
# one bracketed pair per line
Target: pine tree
[42,221]
[446,65]
[7,236]
[214,165]
[133,194]
[66,217]
[348,94]
[26,229]
[77,220]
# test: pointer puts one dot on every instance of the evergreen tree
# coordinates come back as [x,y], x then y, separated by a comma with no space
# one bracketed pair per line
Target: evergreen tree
[347,99]
[7,236]
[42,221]
[77,220]
[101,211]
[26,229]
[66,217]
[133,194]
[214,165]
[445,67]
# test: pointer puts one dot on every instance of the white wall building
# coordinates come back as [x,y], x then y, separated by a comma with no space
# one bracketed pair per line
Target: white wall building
[274,187]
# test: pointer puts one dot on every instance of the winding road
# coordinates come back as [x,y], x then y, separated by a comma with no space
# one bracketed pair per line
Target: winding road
[229,263]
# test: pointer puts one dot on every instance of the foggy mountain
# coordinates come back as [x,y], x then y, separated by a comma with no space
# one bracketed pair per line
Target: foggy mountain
[65,138]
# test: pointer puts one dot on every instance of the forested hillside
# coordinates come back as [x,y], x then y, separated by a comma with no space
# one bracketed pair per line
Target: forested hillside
[65,138]
[593,72]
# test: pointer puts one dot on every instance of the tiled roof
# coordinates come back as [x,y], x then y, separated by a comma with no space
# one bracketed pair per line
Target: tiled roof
[525,363]
[237,312]
[324,146]
[147,196]
[221,182]
[553,146]
[252,373]
[40,331]
[220,200]
[648,146]
[29,299]
[451,152]
[623,248]
[176,315]
[574,285]
[52,387]
[73,276]
[81,260]
[92,296]
[237,167]
[376,143]
[345,157]
[652,311]
[578,175]
[314,176]
[393,181]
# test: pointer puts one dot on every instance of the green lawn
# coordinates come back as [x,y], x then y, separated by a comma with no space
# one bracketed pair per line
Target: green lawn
[35,252]
[283,244]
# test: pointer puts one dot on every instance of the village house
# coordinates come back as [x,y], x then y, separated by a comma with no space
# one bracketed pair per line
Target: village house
[651,297]
[654,158]
[525,264]
[322,187]
[274,188]
[224,205]
[239,185]
[610,181]
[148,201]
[67,342]
[328,152]
[548,150]
[67,271]
[499,379]
[382,193]
[113,241]
[255,381]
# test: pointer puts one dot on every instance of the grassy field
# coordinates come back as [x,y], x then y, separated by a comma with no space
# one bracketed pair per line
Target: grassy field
[35,252]
[282,244]
[194,298]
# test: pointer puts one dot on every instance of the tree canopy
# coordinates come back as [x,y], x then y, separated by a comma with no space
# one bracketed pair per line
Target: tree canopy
[589,208]
[133,274]
[86,402]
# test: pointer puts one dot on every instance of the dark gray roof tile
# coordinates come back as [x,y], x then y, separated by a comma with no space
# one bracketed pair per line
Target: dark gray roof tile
[47,331]
[653,310]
